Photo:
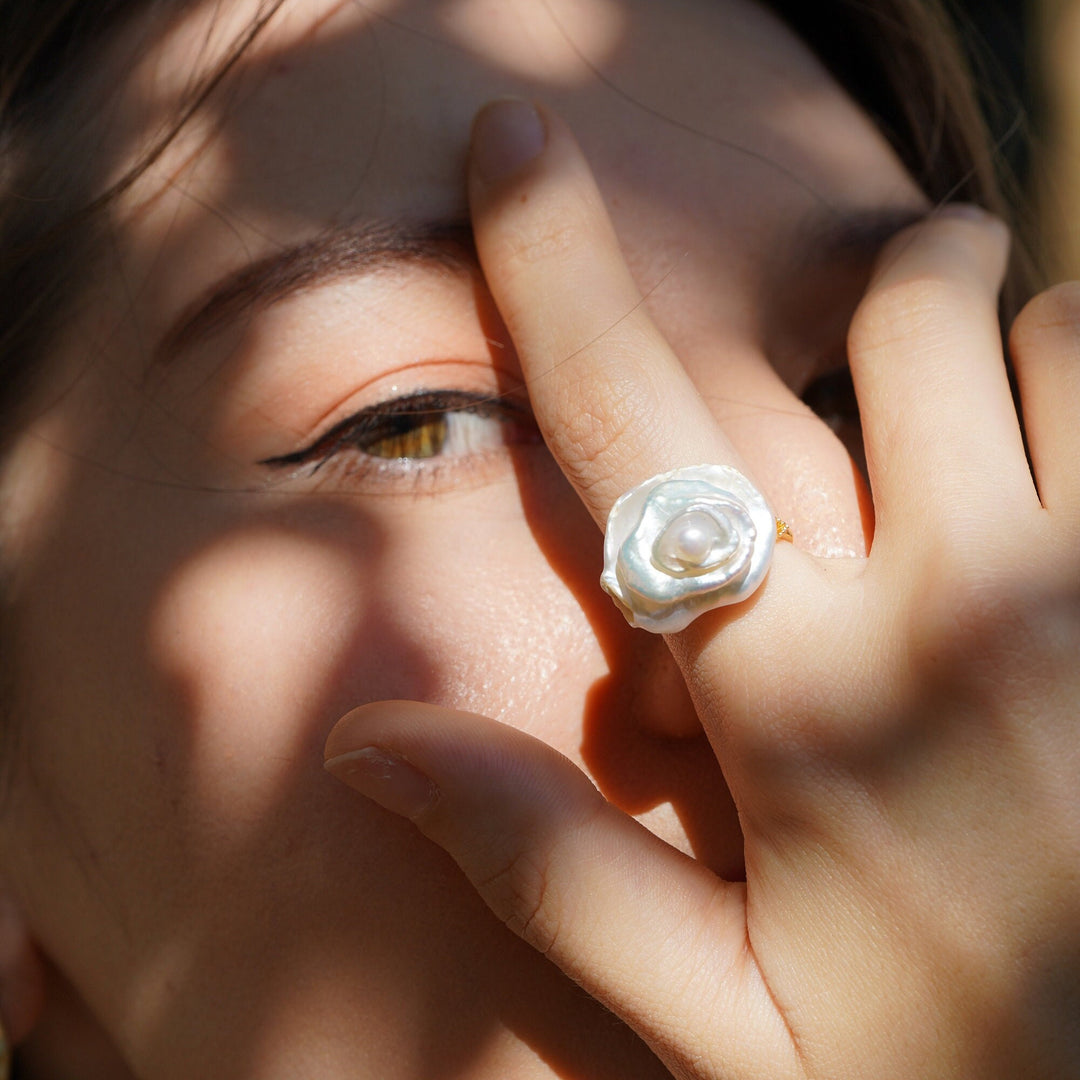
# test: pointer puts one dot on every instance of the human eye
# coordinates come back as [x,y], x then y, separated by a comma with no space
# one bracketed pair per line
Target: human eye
[405,436]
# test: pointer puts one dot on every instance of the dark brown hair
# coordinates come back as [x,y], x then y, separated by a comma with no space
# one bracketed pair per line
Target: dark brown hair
[903,61]
[50,197]
[898,58]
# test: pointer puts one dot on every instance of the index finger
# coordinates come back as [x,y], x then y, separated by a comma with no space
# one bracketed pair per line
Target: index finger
[613,402]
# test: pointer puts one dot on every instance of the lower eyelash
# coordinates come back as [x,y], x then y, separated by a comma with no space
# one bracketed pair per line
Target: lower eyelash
[361,474]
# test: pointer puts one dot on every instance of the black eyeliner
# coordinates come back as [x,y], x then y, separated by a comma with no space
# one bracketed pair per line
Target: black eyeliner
[388,418]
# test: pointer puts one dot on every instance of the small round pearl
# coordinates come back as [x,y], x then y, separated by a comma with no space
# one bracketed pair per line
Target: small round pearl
[689,542]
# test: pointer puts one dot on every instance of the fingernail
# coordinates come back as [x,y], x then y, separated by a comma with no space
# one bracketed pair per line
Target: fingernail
[387,778]
[507,135]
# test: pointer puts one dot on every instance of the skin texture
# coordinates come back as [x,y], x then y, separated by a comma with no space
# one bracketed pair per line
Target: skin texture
[203,899]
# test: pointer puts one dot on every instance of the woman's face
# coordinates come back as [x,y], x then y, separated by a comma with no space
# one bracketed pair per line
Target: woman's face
[204,582]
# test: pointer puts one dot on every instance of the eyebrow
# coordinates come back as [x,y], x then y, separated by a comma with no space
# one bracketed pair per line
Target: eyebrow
[347,250]
[356,249]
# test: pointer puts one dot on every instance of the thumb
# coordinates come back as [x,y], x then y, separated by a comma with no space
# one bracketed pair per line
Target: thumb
[646,930]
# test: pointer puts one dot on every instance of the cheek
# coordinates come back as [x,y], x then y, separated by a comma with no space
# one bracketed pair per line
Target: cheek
[264,638]
[505,634]
[245,637]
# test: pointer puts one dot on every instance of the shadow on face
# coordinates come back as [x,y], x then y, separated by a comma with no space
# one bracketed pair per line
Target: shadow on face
[191,621]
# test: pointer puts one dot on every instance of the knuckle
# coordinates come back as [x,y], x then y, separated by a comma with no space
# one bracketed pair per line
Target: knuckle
[517,891]
[588,431]
[911,309]
[548,232]
[525,248]
[530,876]
[599,427]
[1049,315]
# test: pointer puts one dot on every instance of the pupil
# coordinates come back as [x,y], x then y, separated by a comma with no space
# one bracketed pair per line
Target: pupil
[420,435]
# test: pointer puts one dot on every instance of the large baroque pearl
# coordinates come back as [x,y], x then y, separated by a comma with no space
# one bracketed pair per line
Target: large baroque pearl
[686,542]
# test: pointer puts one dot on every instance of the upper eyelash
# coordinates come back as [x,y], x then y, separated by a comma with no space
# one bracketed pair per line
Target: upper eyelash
[366,422]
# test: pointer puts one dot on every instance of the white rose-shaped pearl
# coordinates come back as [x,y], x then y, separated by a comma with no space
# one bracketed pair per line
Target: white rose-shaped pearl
[686,542]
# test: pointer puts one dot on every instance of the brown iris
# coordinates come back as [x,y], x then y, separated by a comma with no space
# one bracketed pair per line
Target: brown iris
[418,435]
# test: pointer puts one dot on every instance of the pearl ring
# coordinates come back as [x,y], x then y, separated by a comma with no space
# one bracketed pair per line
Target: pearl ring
[686,542]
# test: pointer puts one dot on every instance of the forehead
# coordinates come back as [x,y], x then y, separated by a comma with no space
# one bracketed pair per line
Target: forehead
[346,110]
[719,142]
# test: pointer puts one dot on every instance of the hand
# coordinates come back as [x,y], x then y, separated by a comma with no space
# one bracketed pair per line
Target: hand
[900,733]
